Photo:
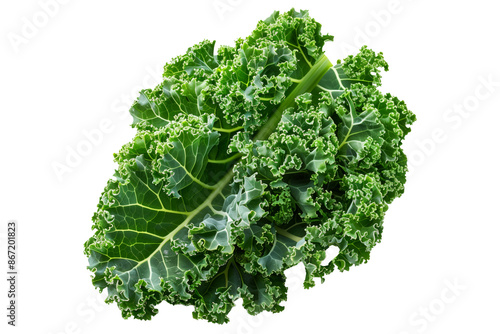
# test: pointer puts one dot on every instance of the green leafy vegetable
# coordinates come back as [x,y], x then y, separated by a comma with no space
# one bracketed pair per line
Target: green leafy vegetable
[246,162]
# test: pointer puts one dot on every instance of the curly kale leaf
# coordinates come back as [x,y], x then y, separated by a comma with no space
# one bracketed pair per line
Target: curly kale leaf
[249,160]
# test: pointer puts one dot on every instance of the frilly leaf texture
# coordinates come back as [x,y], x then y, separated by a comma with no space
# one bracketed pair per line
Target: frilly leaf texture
[249,160]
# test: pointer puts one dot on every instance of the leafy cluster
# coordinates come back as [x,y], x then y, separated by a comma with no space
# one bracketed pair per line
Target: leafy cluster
[249,160]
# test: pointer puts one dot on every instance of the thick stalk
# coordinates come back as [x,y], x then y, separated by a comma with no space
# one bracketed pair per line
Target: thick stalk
[306,84]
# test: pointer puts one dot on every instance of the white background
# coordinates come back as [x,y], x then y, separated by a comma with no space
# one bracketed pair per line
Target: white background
[78,71]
